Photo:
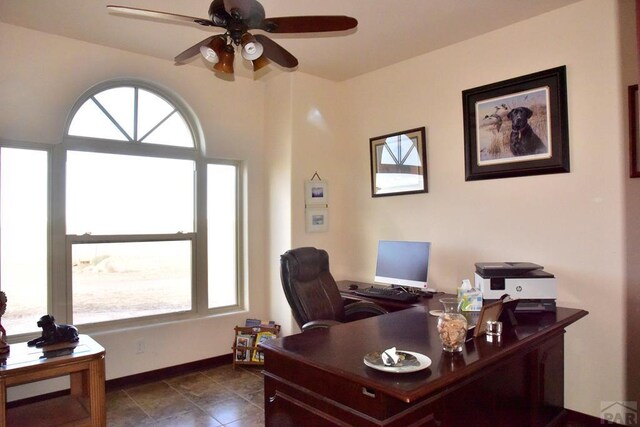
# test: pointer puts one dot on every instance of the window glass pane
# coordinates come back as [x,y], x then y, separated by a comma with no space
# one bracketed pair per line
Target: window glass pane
[151,111]
[401,151]
[117,194]
[114,281]
[23,237]
[222,238]
[90,121]
[173,131]
[158,121]
[119,102]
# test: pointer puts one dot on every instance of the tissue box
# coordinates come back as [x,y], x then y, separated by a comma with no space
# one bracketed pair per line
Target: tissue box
[471,300]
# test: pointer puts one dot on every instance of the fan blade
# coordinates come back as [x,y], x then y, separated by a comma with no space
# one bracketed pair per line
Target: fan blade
[308,24]
[276,53]
[250,11]
[160,15]
[193,50]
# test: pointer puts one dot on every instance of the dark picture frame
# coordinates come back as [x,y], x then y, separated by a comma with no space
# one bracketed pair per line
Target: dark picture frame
[634,132]
[399,163]
[489,312]
[517,127]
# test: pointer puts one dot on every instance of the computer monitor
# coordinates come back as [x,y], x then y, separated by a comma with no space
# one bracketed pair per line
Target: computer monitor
[403,263]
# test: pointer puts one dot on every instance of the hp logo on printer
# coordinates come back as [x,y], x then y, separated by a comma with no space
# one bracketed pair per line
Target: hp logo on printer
[519,288]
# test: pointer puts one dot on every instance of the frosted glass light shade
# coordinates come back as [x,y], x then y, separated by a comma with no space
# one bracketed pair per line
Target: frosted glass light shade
[209,54]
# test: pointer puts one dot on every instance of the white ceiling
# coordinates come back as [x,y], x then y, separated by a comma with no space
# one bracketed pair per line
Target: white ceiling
[389,31]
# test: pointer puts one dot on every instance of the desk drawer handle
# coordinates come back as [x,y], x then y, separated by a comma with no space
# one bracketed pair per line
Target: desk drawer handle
[272,399]
[368,392]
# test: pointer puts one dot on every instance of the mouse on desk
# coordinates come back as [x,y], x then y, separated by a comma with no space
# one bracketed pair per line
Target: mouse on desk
[353,287]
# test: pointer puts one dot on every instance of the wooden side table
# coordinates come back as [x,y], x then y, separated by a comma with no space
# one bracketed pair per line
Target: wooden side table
[82,361]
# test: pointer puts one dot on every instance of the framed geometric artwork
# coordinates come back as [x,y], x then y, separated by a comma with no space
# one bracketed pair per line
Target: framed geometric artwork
[398,163]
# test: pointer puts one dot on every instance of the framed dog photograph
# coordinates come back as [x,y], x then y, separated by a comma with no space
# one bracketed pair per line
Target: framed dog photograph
[517,127]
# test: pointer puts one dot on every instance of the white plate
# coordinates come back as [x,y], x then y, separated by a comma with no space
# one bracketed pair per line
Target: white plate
[414,362]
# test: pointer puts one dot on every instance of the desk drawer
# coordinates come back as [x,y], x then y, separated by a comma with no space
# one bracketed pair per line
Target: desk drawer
[337,390]
[287,404]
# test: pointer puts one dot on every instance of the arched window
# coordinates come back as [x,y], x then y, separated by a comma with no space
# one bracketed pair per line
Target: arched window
[131,197]
[133,114]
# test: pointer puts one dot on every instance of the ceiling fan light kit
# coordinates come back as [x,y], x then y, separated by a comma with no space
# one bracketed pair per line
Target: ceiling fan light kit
[212,51]
[259,63]
[237,17]
[225,64]
[251,49]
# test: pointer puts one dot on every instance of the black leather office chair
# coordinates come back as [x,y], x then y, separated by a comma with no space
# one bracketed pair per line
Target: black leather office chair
[313,294]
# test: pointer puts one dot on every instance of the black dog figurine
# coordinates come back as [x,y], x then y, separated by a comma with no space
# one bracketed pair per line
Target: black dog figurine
[53,333]
[523,141]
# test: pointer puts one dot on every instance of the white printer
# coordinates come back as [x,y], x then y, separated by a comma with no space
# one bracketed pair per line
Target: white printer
[534,288]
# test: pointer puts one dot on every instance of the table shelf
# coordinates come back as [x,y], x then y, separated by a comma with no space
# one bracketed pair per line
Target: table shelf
[64,410]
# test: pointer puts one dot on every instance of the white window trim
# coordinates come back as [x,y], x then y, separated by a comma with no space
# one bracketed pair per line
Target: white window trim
[60,273]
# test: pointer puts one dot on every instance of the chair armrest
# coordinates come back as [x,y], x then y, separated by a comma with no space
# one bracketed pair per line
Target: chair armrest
[360,308]
[319,324]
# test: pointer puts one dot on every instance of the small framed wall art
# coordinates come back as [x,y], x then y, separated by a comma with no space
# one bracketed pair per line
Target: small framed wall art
[316,192]
[316,204]
[398,163]
[317,219]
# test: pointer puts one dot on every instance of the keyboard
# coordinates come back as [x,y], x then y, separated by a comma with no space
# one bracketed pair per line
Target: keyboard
[393,294]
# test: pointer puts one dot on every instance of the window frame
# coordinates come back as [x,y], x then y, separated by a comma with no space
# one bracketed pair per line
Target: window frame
[59,274]
[130,238]
[181,107]
[48,150]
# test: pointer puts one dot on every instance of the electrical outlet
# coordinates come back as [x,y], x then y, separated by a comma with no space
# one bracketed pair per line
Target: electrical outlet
[140,346]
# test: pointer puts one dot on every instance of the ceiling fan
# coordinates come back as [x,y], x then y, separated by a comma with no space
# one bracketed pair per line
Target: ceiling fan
[237,17]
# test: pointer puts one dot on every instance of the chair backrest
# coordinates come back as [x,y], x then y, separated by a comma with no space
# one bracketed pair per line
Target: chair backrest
[309,287]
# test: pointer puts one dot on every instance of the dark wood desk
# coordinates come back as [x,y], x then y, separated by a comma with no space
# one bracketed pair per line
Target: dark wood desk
[319,378]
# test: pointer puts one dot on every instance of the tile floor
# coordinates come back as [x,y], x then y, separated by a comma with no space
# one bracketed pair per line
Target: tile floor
[216,397]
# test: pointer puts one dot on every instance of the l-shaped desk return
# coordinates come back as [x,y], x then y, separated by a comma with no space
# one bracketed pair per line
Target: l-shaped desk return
[319,378]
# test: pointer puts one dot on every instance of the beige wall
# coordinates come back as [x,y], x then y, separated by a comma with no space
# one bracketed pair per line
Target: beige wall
[632,205]
[573,224]
[309,141]
[577,225]
[38,87]
[279,140]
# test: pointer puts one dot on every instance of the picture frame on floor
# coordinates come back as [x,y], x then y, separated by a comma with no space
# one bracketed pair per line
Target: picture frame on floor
[258,356]
[244,343]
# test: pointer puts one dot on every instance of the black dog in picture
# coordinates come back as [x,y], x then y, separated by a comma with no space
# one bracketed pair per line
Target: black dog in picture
[53,333]
[523,141]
